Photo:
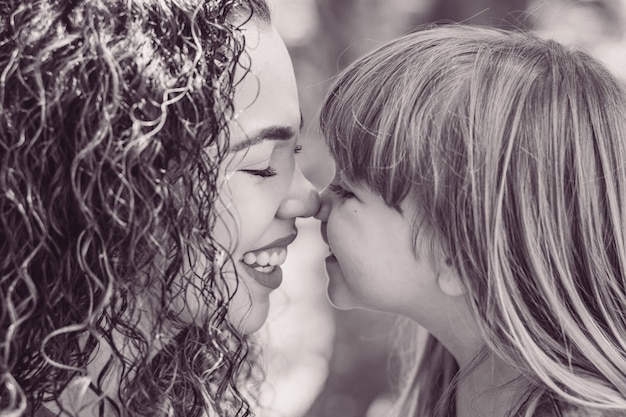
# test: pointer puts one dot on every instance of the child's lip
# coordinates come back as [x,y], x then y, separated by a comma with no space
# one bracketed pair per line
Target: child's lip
[324,232]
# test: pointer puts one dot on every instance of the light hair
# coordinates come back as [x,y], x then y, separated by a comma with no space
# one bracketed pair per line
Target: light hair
[514,149]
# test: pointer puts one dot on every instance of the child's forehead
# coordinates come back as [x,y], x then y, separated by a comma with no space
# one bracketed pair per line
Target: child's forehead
[352,180]
[348,174]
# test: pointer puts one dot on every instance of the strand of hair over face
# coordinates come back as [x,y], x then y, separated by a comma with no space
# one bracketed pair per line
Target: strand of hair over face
[107,110]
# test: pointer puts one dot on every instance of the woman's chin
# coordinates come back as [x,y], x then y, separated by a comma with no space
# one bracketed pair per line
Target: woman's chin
[249,320]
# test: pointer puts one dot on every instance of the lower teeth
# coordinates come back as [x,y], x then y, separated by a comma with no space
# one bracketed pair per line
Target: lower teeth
[265,269]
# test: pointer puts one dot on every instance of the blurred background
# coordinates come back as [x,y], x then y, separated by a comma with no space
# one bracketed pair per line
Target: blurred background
[322,362]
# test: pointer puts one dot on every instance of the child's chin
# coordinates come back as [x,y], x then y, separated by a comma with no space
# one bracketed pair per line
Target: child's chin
[340,297]
[338,293]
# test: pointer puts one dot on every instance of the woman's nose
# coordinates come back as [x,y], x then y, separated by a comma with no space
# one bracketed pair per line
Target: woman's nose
[303,199]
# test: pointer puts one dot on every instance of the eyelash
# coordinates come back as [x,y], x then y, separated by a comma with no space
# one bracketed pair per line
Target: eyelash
[340,191]
[269,171]
[263,173]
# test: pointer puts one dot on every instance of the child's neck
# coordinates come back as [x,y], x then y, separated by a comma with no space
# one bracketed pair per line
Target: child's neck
[489,390]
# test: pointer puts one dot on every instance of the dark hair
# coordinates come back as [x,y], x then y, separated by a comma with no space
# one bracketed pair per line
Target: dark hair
[513,149]
[108,110]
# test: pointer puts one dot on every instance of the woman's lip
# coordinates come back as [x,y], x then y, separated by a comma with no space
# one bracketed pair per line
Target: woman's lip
[281,242]
[271,280]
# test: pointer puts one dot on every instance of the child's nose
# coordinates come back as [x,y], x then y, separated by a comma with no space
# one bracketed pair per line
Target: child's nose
[324,208]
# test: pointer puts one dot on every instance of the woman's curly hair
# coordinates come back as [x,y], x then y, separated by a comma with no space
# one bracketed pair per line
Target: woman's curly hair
[113,124]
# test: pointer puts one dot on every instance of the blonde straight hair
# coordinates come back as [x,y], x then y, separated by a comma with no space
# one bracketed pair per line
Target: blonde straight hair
[515,150]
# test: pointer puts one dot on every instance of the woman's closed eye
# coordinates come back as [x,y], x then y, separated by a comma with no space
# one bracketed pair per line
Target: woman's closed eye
[340,191]
[263,173]
[269,171]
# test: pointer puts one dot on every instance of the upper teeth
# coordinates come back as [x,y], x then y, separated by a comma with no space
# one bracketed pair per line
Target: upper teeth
[272,257]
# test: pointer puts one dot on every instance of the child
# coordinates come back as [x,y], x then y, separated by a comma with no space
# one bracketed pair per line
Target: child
[481,192]
[149,192]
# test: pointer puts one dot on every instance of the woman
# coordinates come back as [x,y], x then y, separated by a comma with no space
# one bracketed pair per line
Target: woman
[149,193]
[480,192]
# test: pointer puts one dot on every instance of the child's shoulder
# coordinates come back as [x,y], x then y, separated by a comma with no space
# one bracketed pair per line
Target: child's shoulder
[572,411]
[555,408]
[592,413]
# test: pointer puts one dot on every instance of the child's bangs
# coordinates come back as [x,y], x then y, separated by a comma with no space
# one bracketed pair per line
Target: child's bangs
[367,148]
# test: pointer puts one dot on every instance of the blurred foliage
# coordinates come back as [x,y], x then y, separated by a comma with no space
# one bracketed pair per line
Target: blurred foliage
[327,35]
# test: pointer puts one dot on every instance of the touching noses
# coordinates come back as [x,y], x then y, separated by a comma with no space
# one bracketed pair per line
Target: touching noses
[324,207]
[302,201]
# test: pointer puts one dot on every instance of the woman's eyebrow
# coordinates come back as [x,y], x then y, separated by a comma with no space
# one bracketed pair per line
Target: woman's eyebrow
[267,133]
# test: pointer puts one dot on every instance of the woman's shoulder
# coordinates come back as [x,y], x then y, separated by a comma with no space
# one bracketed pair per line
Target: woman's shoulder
[43,412]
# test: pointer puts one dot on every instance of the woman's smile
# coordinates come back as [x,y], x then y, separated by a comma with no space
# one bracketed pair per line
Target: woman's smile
[264,264]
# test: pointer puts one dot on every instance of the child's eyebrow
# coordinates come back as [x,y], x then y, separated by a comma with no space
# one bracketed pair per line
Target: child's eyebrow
[275,132]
